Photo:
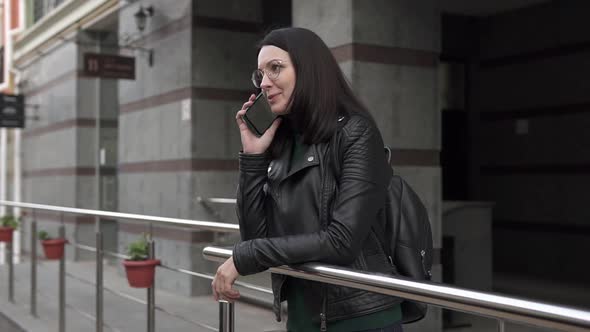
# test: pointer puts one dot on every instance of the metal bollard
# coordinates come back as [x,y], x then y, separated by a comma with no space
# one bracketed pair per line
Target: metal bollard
[62,284]
[151,293]
[226,316]
[10,261]
[99,282]
[34,266]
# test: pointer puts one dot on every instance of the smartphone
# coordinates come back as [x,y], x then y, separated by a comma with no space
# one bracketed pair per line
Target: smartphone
[258,116]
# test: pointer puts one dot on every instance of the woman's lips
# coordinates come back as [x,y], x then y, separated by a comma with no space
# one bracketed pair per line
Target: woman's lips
[272,97]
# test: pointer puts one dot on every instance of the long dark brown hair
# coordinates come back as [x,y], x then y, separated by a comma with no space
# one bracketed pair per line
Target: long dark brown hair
[321,92]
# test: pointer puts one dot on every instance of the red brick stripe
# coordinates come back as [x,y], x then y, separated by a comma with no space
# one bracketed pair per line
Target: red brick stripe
[68,171]
[385,55]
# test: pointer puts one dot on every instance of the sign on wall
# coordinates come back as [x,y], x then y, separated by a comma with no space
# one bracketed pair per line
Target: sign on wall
[109,66]
[12,111]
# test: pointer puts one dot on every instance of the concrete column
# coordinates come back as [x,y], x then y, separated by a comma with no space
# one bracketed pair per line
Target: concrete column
[177,135]
[221,83]
[154,154]
[389,50]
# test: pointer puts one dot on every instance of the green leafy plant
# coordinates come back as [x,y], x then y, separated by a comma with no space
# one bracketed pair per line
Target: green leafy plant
[43,235]
[139,250]
[9,221]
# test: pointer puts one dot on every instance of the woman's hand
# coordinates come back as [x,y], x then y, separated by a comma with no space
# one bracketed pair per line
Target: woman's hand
[222,284]
[250,143]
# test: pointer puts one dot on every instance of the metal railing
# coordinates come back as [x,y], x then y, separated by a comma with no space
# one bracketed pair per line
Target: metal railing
[225,308]
[501,308]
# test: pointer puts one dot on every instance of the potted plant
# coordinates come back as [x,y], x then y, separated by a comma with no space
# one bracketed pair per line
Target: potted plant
[7,226]
[53,247]
[139,268]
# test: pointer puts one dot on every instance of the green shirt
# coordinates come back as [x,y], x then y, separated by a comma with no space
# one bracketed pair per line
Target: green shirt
[301,320]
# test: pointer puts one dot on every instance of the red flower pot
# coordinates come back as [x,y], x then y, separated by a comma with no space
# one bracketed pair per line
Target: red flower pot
[6,234]
[54,248]
[140,274]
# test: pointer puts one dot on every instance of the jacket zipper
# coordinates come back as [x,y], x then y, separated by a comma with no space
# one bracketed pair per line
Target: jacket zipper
[422,253]
[327,184]
[427,273]
[323,324]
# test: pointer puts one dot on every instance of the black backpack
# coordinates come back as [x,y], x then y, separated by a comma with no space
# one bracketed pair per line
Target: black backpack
[407,237]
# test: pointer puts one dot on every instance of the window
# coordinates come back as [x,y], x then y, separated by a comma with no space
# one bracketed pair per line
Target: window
[43,7]
[38,9]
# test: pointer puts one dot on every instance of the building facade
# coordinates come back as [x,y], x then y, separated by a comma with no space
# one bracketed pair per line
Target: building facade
[156,143]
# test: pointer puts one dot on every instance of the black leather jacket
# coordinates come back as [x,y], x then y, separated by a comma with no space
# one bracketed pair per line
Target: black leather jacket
[281,225]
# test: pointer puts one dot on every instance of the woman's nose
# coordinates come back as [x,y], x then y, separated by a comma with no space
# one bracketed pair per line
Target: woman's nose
[266,82]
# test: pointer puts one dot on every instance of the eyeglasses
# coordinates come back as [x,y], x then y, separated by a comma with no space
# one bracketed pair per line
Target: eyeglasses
[272,71]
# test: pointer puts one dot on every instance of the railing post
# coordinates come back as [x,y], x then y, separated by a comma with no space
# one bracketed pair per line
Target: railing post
[62,283]
[151,292]
[34,266]
[226,316]
[501,325]
[99,282]
[10,261]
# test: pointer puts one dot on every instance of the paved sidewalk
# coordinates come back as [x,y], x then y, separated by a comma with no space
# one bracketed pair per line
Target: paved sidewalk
[178,313]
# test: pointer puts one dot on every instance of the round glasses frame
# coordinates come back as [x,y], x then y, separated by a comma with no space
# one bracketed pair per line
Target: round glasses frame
[258,74]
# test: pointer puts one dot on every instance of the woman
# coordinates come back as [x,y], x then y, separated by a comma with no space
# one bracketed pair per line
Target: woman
[311,189]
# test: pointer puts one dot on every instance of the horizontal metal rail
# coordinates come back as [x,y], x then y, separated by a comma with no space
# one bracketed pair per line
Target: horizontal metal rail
[480,303]
[252,287]
[100,252]
[202,225]
[217,200]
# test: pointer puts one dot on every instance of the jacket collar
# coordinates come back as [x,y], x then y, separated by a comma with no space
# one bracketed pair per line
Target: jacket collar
[281,168]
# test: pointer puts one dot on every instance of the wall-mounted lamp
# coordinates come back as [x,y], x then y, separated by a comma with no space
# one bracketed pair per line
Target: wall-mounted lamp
[130,41]
[142,15]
